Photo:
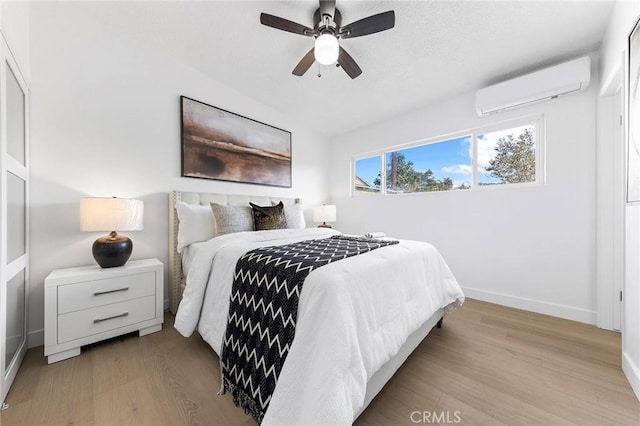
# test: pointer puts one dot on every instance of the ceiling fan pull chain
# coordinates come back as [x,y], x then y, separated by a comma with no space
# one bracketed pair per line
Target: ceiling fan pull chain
[319,75]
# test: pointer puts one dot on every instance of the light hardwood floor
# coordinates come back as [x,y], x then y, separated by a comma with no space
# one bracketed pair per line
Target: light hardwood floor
[488,365]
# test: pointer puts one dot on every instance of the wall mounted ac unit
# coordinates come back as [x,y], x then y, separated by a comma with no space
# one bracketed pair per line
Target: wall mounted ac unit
[549,83]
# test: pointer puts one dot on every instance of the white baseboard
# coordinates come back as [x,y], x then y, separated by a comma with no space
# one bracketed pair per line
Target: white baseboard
[632,372]
[546,308]
[35,338]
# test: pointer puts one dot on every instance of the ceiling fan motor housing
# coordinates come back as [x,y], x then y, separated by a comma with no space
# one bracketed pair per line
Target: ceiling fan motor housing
[320,26]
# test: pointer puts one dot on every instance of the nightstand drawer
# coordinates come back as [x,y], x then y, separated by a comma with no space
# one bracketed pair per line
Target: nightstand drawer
[90,294]
[79,324]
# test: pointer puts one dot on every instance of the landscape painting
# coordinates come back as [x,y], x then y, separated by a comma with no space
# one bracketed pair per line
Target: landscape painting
[221,145]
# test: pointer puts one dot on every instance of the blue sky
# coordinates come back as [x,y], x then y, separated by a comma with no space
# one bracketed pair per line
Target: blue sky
[446,159]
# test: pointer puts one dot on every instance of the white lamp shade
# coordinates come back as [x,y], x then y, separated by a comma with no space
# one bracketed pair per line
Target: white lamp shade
[326,49]
[324,213]
[110,214]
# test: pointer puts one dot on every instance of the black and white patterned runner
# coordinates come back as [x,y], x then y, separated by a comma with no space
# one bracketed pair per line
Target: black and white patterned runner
[264,309]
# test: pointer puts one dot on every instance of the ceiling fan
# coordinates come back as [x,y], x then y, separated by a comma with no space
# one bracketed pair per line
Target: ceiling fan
[328,29]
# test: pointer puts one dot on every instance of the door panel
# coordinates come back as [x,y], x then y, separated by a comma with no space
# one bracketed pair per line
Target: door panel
[14,218]
[15,118]
[15,335]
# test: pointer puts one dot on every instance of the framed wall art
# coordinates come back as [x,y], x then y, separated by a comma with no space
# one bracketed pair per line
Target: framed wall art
[633,87]
[221,145]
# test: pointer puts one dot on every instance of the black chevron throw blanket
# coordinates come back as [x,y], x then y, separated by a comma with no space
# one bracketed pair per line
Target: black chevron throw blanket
[264,309]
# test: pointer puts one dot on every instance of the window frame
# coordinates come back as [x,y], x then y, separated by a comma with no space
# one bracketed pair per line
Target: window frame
[540,157]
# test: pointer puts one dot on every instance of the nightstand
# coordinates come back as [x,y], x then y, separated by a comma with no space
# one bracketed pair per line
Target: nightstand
[89,304]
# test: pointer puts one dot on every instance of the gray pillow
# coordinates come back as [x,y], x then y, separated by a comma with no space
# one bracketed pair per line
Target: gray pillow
[231,219]
[294,214]
[268,217]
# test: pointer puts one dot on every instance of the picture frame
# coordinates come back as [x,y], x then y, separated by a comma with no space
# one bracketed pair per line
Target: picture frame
[221,145]
[633,108]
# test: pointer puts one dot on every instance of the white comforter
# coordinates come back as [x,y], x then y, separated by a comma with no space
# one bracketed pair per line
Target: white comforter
[353,316]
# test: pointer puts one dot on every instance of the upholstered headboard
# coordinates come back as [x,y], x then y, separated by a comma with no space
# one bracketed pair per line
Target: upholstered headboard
[176,278]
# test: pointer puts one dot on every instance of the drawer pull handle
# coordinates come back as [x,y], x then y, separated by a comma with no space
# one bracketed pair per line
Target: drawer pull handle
[108,318]
[98,293]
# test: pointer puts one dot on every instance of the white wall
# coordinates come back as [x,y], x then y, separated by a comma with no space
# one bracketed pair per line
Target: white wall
[533,247]
[623,16]
[105,120]
[14,22]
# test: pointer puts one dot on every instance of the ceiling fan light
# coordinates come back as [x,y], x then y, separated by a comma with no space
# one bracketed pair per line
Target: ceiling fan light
[326,49]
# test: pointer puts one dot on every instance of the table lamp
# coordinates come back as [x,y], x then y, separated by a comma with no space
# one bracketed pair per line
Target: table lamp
[111,214]
[324,213]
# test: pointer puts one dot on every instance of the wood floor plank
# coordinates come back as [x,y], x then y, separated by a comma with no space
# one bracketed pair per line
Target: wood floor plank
[456,409]
[130,403]
[491,364]
[483,395]
[530,383]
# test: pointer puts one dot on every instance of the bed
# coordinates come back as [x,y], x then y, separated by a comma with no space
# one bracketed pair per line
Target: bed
[349,339]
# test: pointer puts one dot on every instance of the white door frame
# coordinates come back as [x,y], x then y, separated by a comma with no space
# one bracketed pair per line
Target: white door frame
[619,204]
[610,203]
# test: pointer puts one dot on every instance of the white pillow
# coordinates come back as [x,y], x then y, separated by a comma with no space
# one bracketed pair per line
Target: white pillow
[196,224]
[229,219]
[295,216]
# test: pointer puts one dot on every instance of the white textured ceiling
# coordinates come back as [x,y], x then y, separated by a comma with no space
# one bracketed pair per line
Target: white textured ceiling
[437,49]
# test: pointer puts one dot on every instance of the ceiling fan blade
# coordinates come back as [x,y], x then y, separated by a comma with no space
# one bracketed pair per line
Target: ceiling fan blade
[304,64]
[328,7]
[372,24]
[285,25]
[348,64]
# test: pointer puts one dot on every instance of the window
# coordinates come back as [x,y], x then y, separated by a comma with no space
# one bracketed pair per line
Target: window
[504,155]
[438,166]
[507,156]
[367,176]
